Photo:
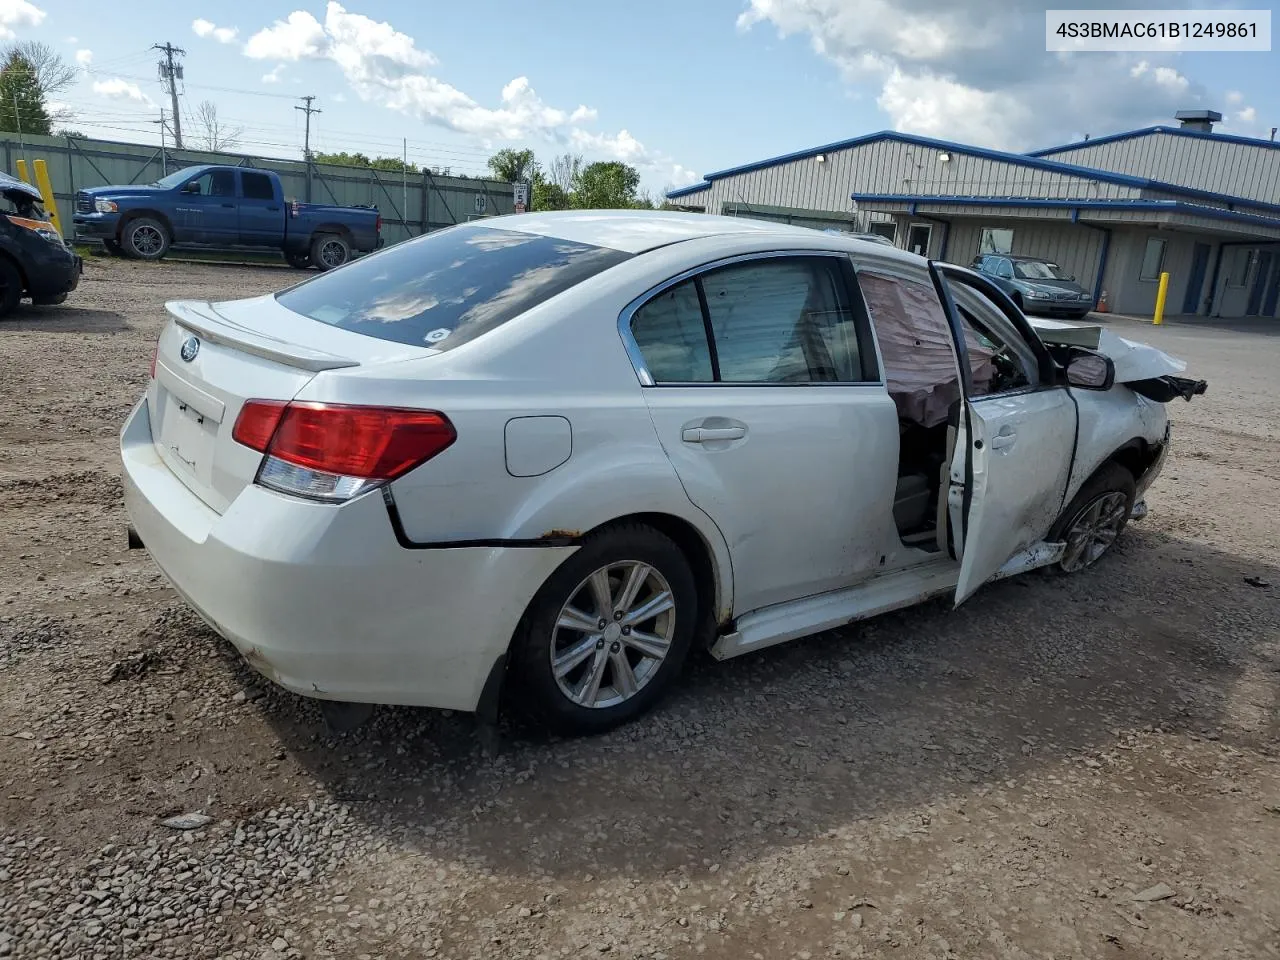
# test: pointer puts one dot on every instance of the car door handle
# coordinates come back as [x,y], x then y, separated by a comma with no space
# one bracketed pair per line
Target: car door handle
[273,208]
[706,434]
[228,204]
[1003,441]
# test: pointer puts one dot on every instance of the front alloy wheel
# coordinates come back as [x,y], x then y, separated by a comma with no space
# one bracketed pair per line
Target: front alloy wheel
[1094,530]
[613,634]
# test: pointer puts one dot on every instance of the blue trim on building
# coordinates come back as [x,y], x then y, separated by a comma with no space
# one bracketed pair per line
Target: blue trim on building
[1018,159]
[1164,206]
[1147,131]
[685,191]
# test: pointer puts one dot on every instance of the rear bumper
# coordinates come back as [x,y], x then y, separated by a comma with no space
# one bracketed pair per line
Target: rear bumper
[322,599]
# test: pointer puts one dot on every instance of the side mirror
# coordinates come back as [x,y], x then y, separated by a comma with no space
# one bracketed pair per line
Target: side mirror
[1091,371]
[192,187]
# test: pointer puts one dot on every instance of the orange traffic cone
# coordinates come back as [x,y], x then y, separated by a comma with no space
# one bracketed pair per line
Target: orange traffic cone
[1102,303]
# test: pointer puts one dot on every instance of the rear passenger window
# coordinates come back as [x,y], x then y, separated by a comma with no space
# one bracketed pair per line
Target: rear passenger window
[672,337]
[257,186]
[786,320]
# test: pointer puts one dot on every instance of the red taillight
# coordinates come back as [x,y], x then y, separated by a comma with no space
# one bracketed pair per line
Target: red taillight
[378,226]
[369,443]
[257,422]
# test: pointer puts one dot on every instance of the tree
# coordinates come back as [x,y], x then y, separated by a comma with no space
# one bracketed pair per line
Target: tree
[513,166]
[607,185]
[53,74]
[344,159]
[215,134]
[564,171]
[548,195]
[21,102]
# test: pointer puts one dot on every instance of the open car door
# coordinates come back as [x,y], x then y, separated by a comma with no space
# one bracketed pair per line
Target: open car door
[1016,433]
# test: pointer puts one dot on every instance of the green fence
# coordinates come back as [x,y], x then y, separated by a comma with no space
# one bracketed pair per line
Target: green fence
[410,204]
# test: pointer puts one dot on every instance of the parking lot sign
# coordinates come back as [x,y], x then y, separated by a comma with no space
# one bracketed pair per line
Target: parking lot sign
[520,194]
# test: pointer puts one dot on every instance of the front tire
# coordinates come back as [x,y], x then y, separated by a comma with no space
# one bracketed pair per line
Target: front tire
[329,250]
[605,637]
[145,239]
[10,286]
[1095,518]
[299,261]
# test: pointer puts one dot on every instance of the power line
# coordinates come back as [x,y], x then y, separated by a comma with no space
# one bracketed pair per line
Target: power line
[171,73]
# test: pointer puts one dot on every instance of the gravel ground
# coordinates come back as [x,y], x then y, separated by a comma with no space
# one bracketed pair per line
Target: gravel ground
[1064,767]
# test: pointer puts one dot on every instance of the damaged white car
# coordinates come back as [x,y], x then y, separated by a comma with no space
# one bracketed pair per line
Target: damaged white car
[537,458]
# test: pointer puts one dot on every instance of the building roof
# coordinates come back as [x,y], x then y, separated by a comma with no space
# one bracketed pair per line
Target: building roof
[1162,206]
[1148,131]
[1017,159]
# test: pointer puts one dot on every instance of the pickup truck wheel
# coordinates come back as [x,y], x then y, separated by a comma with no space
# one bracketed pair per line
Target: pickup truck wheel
[329,250]
[10,286]
[145,239]
[299,261]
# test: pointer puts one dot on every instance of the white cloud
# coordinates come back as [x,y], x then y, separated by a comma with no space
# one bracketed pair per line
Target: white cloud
[1247,115]
[71,41]
[387,67]
[1234,97]
[207,28]
[84,57]
[274,75]
[978,71]
[18,13]
[118,89]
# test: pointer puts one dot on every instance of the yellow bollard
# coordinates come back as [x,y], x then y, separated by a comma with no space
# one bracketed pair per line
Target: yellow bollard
[1160,295]
[46,190]
[22,171]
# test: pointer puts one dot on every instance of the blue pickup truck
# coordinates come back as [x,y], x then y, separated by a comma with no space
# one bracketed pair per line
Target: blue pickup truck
[223,207]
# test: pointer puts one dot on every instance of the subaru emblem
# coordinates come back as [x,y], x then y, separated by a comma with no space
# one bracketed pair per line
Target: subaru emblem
[190,347]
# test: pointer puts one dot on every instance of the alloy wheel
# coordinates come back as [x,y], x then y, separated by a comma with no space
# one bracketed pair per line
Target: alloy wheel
[1094,530]
[333,254]
[147,241]
[613,634]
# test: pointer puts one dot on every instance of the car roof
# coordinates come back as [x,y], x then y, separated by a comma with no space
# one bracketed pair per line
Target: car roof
[636,231]
[1014,256]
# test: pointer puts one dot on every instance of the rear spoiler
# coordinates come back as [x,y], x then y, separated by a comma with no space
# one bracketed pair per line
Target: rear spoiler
[199,317]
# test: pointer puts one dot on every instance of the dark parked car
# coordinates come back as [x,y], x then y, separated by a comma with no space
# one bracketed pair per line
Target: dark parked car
[224,207]
[35,261]
[1037,286]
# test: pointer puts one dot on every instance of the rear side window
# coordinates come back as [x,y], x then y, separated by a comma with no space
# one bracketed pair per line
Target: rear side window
[672,337]
[448,287]
[257,186]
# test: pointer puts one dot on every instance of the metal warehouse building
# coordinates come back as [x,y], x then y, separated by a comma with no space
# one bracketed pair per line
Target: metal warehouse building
[1114,211]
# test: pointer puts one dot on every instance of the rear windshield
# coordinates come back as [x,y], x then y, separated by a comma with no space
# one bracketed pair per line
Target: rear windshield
[447,287]
[1038,270]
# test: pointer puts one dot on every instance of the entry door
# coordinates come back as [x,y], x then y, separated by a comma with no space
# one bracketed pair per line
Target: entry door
[1016,434]
[261,211]
[764,392]
[1263,275]
[1195,281]
[208,208]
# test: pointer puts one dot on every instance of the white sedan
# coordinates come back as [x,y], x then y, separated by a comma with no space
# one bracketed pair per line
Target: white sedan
[536,458]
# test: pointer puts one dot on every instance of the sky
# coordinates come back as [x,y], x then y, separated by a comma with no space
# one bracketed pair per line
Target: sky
[677,89]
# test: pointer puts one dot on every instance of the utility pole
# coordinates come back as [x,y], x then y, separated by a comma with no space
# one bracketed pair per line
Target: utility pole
[171,73]
[306,148]
[164,158]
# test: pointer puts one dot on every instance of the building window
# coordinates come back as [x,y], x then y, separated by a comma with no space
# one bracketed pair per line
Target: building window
[1152,259]
[918,237]
[996,240]
[886,229]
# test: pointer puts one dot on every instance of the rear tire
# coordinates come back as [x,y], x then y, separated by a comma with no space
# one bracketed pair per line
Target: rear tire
[145,239]
[10,286]
[329,250]
[574,676]
[1095,518]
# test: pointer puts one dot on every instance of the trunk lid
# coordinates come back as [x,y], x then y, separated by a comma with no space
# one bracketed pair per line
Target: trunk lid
[212,357]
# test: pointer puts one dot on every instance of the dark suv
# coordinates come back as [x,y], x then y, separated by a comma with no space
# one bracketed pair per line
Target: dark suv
[1035,285]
